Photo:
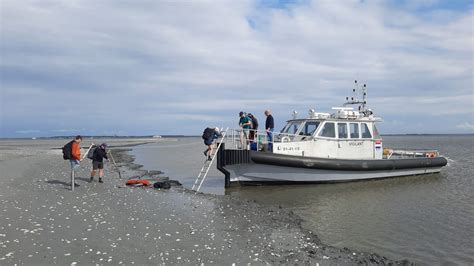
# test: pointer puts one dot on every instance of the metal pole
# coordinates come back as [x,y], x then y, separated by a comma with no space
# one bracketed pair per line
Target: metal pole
[116,167]
[256,136]
[73,174]
[85,154]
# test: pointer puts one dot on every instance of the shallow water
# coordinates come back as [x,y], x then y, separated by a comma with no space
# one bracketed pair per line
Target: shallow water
[426,219]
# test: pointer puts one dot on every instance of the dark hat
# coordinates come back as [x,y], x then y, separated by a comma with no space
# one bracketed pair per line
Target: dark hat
[103,145]
[241,113]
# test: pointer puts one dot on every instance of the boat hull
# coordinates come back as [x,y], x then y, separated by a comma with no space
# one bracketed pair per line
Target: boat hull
[258,173]
[257,167]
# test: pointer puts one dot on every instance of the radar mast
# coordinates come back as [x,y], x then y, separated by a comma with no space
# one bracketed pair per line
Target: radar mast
[354,99]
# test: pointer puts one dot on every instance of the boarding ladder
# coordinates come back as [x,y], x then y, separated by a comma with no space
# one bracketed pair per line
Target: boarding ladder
[208,163]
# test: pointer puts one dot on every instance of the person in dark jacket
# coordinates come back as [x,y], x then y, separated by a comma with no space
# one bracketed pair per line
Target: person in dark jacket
[254,128]
[269,127]
[98,161]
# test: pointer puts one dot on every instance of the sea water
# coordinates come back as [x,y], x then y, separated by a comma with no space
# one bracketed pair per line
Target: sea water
[427,219]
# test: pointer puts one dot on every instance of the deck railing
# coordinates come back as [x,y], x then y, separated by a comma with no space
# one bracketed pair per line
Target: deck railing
[237,139]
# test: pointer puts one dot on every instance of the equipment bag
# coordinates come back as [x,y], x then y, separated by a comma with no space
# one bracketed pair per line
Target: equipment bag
[138,182]
[207,134]
[162,184]
[90,154]
[67,151]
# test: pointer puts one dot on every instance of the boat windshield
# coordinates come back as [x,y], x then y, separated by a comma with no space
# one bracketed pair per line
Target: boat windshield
[309,128]
[365,131]
[376,133]
[291,127]
[328,131]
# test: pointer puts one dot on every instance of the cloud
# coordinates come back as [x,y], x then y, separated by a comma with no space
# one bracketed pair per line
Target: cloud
[28,131]
[466,125]
[429,105]
[65,130]
[149,66]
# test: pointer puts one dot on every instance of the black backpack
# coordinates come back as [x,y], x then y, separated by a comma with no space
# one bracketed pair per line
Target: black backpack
[207,134]
[90,154]
[67,151]
[254,122]
[162,184]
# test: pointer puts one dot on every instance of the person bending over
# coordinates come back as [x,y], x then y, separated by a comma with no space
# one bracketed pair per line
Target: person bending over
[245,123]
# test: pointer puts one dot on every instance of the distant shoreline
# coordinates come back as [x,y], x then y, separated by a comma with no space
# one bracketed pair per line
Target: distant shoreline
[196,136]
[102,137]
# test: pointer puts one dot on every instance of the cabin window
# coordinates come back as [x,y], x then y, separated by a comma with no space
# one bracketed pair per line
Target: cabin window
[329,130]
[354,130]
[365,131]
[342,130]
[292,127]
[309,128]
[376,133]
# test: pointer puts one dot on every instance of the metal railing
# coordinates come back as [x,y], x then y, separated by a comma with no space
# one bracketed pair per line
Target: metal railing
[400,153]
[241,139]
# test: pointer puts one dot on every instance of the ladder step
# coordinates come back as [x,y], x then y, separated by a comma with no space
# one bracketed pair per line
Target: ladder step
[208,163]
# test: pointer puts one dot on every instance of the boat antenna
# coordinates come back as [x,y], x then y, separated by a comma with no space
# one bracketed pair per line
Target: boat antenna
[356,93]
[364,97]
[354,98]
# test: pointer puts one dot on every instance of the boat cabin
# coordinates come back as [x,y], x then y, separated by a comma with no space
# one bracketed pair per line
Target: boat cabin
[345,134]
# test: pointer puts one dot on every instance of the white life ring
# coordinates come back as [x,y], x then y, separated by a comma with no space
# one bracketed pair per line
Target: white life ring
[285,139]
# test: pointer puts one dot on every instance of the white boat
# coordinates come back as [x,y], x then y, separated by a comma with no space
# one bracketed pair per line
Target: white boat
[344,145]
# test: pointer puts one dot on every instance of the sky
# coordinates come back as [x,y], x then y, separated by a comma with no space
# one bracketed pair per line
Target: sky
[118,67]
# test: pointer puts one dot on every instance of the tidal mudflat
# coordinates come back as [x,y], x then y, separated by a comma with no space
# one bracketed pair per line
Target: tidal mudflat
[43,222]
[425,219]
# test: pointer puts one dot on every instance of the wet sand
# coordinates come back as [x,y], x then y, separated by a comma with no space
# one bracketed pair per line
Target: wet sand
[43,222]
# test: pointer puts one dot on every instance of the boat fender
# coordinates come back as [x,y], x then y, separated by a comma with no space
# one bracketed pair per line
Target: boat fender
[387,151]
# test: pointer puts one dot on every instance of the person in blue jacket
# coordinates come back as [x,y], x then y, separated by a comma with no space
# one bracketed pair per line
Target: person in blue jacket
[209,135]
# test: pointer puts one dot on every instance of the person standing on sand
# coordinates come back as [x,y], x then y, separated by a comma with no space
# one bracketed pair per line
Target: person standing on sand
[98,161]
[75,160]
[269,127]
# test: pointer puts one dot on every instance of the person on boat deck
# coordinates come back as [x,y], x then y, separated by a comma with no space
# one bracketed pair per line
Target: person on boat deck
[269,127]
[246,124]
[209,135]
[98,161]
[254,129]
